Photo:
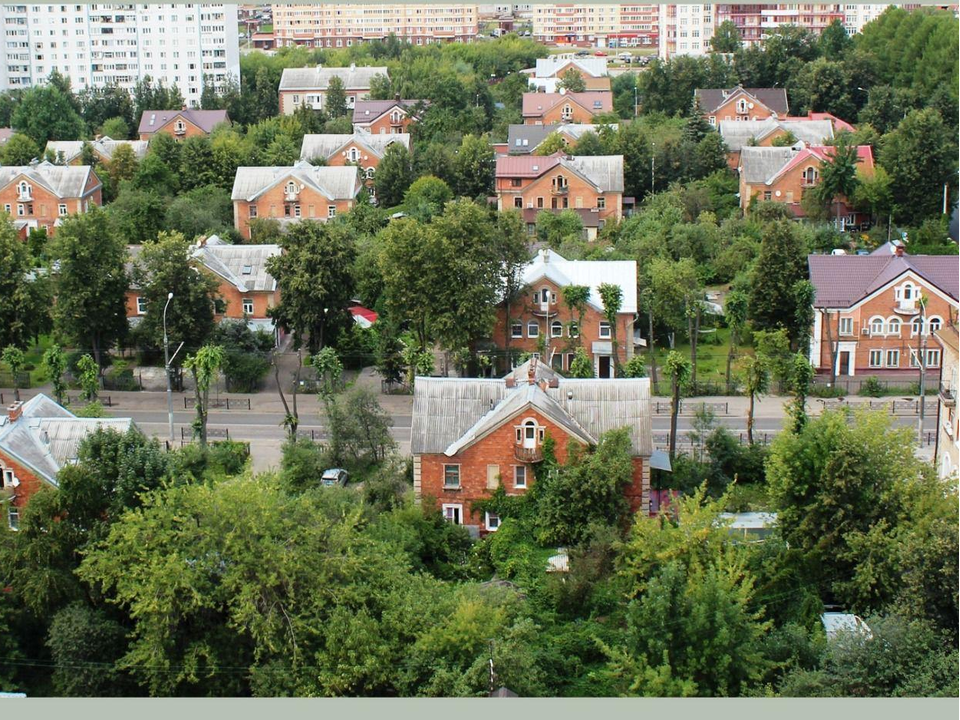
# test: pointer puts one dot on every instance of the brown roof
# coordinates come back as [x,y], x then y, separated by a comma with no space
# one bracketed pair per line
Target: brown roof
[713,98]
[949,337]
[536,104]
[206,120]
[370,110]
[843,280]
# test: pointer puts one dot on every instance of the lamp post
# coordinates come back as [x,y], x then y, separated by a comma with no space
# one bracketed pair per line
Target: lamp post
[166,365]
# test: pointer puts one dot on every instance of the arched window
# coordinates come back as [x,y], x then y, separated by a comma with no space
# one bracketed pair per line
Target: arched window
[533,329]
[291,188]
[917,326]
[810,175]
[573,330]
[934,324]
[567,112]
[876,325]
[742,105]
[556,329]
[395,117]
[545,295]
[369,172]
[354,154]
[24,189]
[560,182]
[180,126]
[893,326]
[906,291]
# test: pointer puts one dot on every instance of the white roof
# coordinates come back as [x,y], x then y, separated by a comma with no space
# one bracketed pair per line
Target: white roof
[749,520]
[105,146]
[64,181]
[327,145]
[334,183]
[548,67]
[243,266]
[318,78]
[590,273]
[737,134]
[834,622]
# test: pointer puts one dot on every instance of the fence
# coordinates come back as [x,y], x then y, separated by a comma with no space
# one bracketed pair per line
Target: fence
[21,381]
[686,439]
[312,434]
[717,408]
[853,385]
[895,407]
[104,400]
[219,403]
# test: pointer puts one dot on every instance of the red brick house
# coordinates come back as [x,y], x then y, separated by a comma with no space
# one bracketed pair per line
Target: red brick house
[557,108]
[291,194]
[362,149]
[549,71]
[38,196]
[740,103]
[764,133]
[525,139]
[103,149]
[385,117]
[592,185]
[867,313]
[181,124]
[37,438]
[540,322]
[308,86]
[469,436]
[785,174]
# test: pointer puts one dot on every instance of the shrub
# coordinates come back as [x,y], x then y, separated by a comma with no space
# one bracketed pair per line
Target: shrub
[871,387]
[228,455]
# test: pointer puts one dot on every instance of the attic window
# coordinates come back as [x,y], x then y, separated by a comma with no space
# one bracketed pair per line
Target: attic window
[247,270]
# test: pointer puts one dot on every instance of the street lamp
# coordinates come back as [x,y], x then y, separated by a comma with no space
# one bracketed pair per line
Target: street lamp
[166,365]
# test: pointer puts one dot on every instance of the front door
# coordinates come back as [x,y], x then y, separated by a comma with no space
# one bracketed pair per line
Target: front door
[529,435]
[843,362]
[605,366]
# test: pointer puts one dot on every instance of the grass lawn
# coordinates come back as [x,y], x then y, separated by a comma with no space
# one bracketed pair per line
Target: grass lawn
[34,359]
[711,358]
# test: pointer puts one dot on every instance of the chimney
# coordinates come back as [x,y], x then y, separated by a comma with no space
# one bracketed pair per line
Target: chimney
[14,411]
[532,372]
[396,97]
[510,382]
[898,248]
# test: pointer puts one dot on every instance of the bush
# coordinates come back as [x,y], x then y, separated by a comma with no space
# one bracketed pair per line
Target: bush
[244,370]
[229,456]
[871,387]
[302,464]
[120,377]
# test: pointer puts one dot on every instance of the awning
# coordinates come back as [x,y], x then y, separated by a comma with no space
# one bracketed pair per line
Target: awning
[660,460]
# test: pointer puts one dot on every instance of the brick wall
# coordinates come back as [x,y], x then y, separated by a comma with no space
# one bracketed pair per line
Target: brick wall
[385,126]
[728,111]
[539,193]
[30,483]
[273,204]
[555,116]
[190,130]
[45,206]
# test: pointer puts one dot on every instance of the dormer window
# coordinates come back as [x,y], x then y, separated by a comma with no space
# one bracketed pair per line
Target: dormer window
[742,106]
[567,112]
[180,127]
[25,190]
[354,154]
[291,190]
[396,117]
[560,183]
[810,176]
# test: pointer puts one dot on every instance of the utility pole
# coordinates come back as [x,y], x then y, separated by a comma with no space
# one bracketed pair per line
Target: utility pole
[922,362]
[653,149]
[636,101]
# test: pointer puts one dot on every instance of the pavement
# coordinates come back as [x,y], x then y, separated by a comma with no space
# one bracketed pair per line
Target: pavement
[261,424]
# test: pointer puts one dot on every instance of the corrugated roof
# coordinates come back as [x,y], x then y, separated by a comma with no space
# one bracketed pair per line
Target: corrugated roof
[548,67]
[334,183]
[206,120]
[737,134]
[590,273]
[604,172]
[327,145]
[536,104]
[106,146]
[244,266]
[523,139]
[319,77]
[530,166]
[366,111]
[64,181]
[773,98]
[759,164]
[843,280]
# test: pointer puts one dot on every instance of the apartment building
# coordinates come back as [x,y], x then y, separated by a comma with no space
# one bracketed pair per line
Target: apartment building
[685,29]
[755,22]
[596,24]
[97,45]
[308,86]
[348,24]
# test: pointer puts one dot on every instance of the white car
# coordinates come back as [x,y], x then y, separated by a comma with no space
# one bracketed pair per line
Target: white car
[334,476]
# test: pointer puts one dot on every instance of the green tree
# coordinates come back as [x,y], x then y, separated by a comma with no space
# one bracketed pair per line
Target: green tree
[473,167]
[204,366]
[572,81]
[394,176]
[19,149]
[89,378]
[24,294]
[582,365]
[834,41]
[838,177]
[576,297]
[115,128]
[755,377]
[802,374]
[426,197]
[359,430]
[14,359]
[47,113]
[735,314]
[87,261]
[612,297]
[551,144]
[726,38]
[265,97]
[677,368]
[196,163]
[781,264]
[336,98]
[55,364]
[137,216]
[85,644]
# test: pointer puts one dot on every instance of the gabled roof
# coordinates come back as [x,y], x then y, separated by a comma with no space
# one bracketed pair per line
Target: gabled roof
[536,104]
[773,98]
[319,77]
[589,273]
[522,139]
[366,111]
[206,120]
[334,183]
[243,266]
[328,145]
[105,146]
[64,181]
[46,436]
[452,413]
[843,280]
[737,134]
[766,164]
[548,67]
[604,172]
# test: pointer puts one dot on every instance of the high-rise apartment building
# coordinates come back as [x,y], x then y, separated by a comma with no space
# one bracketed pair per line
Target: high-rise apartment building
[856,16]
[755,22]
[345,25]
[686,29]
[97,45]
[601,25]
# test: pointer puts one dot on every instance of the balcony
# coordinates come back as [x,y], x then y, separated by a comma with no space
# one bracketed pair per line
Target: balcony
[906,307]
[291,196]
[528,455]
[948,398]
[560,189]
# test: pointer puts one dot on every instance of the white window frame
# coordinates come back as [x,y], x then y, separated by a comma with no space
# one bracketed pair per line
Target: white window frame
[556,329]
[895,354]
[141,305]
[894,326]
[516,330]
[10,478]
[459,479]
[520,470]
[535,327]
[846,325]
[604,325]
[331,211]
[458,507]
[486,521]
[247,303]
[62,209]
[933,358]
[878,326]
[875,358]
[13,518]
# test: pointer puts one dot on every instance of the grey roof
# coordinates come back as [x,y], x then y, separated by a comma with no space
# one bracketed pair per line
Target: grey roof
[843,280]
[365,111]
[712,98]
[325,146]
[243,266]
[604,171]
[548,67]
[527,138]
[206,120]
[335,183]
[737,134]
[105,146]
[46,436]
[450,413]
[318,78]
[758,164]
[64,181]
[541,371]
[591,273]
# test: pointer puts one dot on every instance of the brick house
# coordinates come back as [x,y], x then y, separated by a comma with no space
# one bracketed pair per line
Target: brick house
[867,314]
[37,438]
[38,196]
[549,71]
[525,139]
[247,291]
[103,149]
[308,86]
[763,133]
[540,322]
[471,435]
[785,174]
[361,148]
[386,117]
[290,194]
[561,107]
[591,185]
[181,124]
[947,451]
[739,103]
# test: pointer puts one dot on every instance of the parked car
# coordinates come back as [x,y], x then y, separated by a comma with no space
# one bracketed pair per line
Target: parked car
[582,53]
[334,476]
[600,53]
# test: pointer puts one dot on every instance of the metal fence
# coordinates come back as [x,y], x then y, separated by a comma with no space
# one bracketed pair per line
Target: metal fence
[105,400]
[7,379]
[219,403]
[717,408]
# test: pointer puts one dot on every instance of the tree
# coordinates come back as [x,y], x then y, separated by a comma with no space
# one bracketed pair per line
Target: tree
[781,264]
[123,165]
[834,41]
[196,163]
[19,149]
[205,366]
[838,176]
[137,216]
[873,193]
[24,294]
[359,429]
[394,176]
[726,38]
[582,365]
[678,368]
[202,211]
[336,98]
[735,313]
[612,298]
[115,128]
[168,266]
[575,297]
[920,158]
[572,81]
[801,376]
[473,168]
[755,378]
[85,644]
[55,363]
[47,113]
[426,197]
[514,255]
[264,102]
[14,359]
[313,273]
[87,261]
[89,378]
[551,144]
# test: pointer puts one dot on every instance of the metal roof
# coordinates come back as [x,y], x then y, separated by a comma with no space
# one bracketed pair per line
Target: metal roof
[843,280]
[206,120]
[366,111]
[243,266]
[737,134]
[536,104]
[773,98]
[64,181]
[523,139]
[334,183]
[590,273]
[105,146]
[319,77]
[604,172]
[548,67]
[327,145]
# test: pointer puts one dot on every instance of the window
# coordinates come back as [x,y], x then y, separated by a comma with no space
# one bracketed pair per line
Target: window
[493,477]
[893,358]
[252,212]
[516,330]
[556,329]
[13,517]
[141,305]
[520,476]
[331,211]
[9,479]
[601,203]
[492,522]
[451,476]
[934,324]
[876,326]
[291,188]
[515,182]
[767,195]
[453,514]
[24,189]
[533,329]
[247,306]
[875,358]
[570,358]
[605,330]
[62,209]
[354,154]
[539,202]
[573,330]
[917,327]
[933,358]
[518,202]
[742,106]
[180,126]
[810,176]
[893,326]
[566,113]
[846,326]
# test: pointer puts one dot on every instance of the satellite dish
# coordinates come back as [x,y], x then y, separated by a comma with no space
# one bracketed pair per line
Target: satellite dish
[778,193]
[750,105]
